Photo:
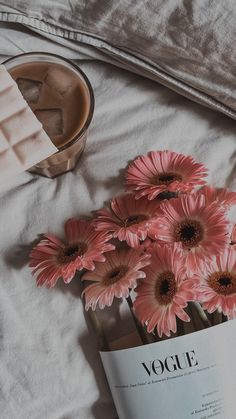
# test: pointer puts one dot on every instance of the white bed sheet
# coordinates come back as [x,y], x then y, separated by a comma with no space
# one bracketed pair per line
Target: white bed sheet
[49,364]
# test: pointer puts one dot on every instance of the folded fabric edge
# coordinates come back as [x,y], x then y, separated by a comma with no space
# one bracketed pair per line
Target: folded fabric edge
[122,59]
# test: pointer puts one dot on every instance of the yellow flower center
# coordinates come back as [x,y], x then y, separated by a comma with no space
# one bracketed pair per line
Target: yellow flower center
[165,288]
[223,282]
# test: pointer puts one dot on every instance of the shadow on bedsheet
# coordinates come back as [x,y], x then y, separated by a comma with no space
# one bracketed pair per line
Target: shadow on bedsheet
[103,408]
[113,183]
[18,255]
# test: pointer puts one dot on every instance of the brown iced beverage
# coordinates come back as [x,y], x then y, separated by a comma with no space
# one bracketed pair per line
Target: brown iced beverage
[61,97]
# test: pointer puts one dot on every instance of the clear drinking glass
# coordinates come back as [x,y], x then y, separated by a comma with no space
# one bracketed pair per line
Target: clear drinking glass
[66,157]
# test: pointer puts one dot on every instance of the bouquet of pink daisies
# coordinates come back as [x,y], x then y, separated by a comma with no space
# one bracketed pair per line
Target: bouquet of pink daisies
[165,244]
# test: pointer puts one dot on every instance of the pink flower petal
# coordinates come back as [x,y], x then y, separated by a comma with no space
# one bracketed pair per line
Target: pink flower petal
[168,265]
[126,264]
[51,255]
[128,219]
[214,295]
[163,171]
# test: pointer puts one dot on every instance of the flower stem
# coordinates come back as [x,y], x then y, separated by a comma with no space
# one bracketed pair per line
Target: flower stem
[180,327]
[224,318]
[139,327]
[216,318]
[97,327]
[196,308]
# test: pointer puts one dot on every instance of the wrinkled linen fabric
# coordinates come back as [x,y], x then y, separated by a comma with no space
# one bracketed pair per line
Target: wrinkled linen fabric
[184,44]
[49,363]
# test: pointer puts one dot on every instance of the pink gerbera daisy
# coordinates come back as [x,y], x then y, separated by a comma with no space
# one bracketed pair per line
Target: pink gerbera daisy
[221,196]
[218,284]
[164,171]
[201,230]
[128,219]
[114,278]
[165,292]
[53,259]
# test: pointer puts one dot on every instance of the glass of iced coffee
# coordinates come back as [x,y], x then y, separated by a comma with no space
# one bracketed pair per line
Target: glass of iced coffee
[61,96]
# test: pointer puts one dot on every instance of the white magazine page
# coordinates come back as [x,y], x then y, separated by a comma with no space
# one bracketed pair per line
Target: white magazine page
[188,377]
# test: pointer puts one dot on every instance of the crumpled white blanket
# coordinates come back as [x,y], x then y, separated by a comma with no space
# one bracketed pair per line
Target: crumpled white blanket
[49,364]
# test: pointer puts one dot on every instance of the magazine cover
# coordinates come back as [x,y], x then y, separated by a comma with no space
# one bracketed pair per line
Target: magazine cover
[191,376]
